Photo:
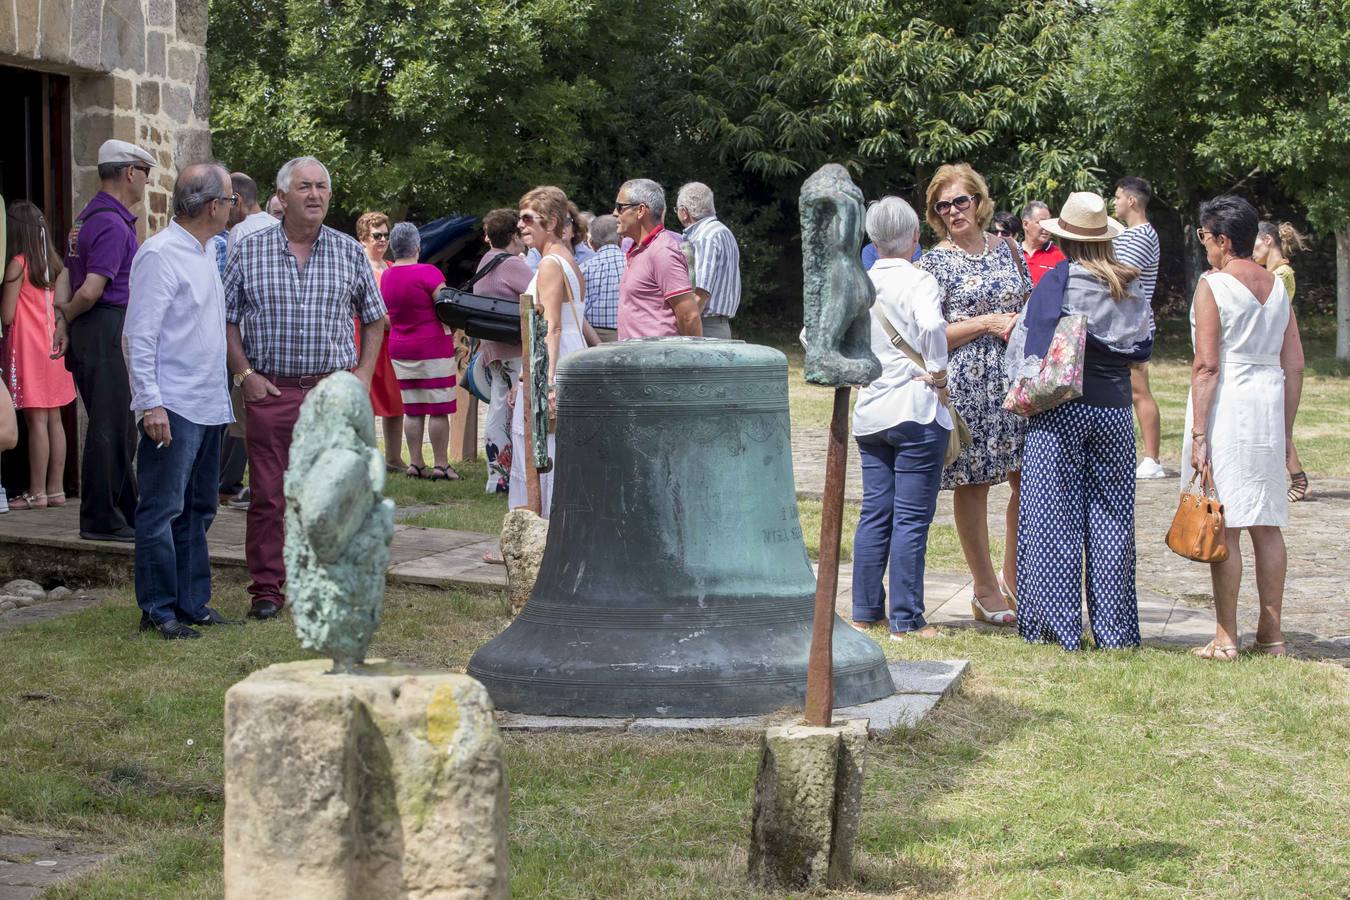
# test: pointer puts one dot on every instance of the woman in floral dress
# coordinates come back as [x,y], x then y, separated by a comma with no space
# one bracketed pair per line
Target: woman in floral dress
[984,284]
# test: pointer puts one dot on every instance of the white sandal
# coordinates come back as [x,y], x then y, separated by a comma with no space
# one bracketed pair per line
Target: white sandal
[1008,595]
[1004,618]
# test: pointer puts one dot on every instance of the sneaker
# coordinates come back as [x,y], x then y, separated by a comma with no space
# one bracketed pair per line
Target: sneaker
[1149,468]
[240,500]
[4,502]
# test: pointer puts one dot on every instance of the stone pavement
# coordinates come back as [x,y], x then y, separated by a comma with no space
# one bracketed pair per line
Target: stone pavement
[1175,600]
[28,866]
[42,544]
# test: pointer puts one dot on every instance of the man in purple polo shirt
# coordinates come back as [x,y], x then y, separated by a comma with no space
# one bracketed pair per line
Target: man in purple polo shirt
[98,256]
[656,298]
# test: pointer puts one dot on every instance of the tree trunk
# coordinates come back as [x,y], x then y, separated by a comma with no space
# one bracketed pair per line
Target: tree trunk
[1343,293]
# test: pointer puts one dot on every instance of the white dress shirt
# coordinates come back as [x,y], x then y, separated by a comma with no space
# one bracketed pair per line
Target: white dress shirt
[250,224]
[173,338]
[912,300]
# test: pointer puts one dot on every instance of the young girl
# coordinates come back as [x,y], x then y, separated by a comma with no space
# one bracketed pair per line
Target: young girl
[39,384]
[1273,241]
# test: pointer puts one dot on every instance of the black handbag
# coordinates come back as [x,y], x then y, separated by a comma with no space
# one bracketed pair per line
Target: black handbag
[488,318]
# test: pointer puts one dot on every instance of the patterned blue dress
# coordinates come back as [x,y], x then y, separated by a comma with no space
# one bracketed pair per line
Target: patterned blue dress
[992,282]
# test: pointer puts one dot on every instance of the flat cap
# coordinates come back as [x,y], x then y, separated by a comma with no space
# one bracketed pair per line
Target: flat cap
[124,152]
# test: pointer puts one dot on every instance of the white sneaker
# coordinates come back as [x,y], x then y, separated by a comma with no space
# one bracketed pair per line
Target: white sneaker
[1150,468]
[4,501]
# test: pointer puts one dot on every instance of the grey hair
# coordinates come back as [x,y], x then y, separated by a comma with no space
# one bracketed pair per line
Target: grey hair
[648,193]
[404,241]
[197,185]
[286,171]
[604,230]
[696,198]
[1033,207]
[892,224]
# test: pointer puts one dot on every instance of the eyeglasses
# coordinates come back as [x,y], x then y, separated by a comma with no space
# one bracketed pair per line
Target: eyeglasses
[379,235]
[942,207]
[1001,231]
[620,207]
[1201,232]
[232,199]
[144,170]
[527,218]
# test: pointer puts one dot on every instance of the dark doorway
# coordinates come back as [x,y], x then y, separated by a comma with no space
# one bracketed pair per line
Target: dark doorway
[35,166]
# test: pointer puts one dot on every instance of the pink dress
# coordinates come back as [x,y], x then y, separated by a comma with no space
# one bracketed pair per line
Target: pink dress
[34,379]
[422,353]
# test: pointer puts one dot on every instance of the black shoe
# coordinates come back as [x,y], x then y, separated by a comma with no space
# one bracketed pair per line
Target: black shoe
[212,617]
[263,610]
[122,535]
[147,623]
[174,630]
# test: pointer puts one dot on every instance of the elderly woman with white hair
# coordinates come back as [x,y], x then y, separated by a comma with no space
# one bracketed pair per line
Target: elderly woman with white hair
[422,353]
[902,424]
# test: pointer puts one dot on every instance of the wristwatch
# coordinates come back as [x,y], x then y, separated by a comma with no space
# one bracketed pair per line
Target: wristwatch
[239,379]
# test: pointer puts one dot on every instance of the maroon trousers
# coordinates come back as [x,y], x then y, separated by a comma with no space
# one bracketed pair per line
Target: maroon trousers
[270,422]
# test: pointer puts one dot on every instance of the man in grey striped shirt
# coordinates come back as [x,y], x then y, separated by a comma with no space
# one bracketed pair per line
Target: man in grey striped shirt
[1138,247]
[717,259]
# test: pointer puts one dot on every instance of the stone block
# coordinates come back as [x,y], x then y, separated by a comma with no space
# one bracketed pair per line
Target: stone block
[156,55]
[808,799]
[86,34]
[124,94]
[124,128]
[123,35]
[524,535]
[386,783]
[192,145]
[191,21]
[60,592]
[9,38]
[658,727]
[177,103]
[201,90]
[27,13]
[930,676]
[93,92]
[508,721]
[22,587]
[8,603]
[160,13]
[54,39]
[147,97]
[182,64]
[159,203]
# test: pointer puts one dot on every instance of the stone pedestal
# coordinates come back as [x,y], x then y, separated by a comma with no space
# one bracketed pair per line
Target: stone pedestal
[388,782]
[808,800]
[524,535]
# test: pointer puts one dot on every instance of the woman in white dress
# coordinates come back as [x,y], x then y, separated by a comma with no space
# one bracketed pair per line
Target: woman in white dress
[1240,414]
[559,288]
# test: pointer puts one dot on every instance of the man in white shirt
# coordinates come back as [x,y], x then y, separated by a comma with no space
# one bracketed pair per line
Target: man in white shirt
[173,341]
[246,217]
[1138,247]
[717,259]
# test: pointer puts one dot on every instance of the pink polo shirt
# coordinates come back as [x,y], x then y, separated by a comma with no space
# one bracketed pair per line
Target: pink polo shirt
[656,271]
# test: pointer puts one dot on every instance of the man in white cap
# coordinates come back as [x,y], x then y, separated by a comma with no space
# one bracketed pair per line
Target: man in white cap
[98,255]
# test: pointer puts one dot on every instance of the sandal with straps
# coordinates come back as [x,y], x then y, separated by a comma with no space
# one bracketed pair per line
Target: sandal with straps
[1008,595]
[1004,618]
[57,499]
[443,473]
[1216,652]
[1269,648]
[415,471]
[29,501]
[1298,487]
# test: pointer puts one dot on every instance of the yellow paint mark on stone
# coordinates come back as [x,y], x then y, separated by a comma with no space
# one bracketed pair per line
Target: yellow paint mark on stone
[442,716]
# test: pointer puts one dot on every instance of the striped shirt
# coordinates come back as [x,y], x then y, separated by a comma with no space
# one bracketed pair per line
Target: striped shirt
[298,322]
[602,271]
[717,265]
[1138,247]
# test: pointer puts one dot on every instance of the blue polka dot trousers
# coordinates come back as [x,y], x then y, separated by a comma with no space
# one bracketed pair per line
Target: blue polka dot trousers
[1077,501]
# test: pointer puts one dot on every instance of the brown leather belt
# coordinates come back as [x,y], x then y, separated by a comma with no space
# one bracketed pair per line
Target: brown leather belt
[305,382]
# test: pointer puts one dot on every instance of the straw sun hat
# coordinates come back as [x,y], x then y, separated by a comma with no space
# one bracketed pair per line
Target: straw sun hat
[1083,218]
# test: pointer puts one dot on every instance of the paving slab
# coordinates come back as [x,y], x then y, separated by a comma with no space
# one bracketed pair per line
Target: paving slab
[28,866]
[920,686]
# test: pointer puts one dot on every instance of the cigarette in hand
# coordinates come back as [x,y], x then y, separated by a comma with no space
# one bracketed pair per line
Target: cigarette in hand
[159,446]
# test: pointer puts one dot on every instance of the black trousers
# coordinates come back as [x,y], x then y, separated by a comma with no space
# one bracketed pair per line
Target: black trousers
[107,478]
[233,459]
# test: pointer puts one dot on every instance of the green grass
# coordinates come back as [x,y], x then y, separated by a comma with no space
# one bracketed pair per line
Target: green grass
[460,505]
[1144,773]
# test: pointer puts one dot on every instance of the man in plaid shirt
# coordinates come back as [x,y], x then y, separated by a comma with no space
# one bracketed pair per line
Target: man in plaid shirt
[602,272]
[290,296]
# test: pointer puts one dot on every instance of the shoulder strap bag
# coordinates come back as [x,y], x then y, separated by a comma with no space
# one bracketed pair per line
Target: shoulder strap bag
[1197,530]
[960,433]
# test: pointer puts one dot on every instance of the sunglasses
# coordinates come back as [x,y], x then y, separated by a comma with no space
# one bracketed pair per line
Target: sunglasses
[1201,232]
[620,207]
[527,218]
[960,204]
[379,235]
[1001,231]
[145,170]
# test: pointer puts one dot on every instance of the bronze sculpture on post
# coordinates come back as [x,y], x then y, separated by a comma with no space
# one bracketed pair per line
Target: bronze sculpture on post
[837,295]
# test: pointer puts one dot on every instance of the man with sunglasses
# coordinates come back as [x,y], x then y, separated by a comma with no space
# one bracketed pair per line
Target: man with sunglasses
[1042,254]
[656,298]
[99,251]
[174,345]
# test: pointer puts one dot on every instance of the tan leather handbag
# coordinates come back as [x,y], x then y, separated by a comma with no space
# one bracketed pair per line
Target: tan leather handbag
[959,437]
[1197,530]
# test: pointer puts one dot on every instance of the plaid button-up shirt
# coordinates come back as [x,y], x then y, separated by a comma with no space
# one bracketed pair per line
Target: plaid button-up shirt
[299,322]
[602,271]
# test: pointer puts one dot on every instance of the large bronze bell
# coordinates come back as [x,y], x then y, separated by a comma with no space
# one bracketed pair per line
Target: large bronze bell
[675,581]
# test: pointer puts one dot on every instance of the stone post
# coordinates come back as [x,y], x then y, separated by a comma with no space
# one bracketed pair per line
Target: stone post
[388,782]
[808,801]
